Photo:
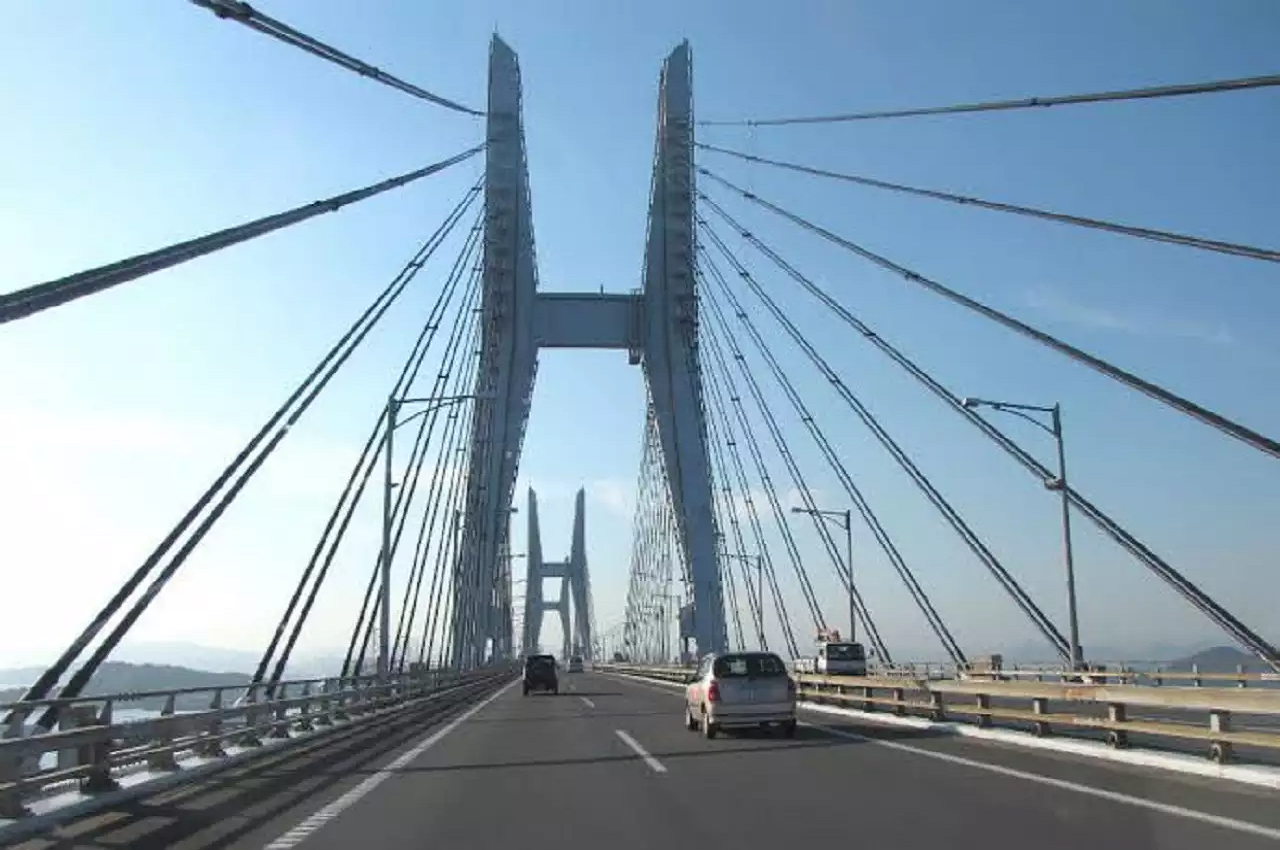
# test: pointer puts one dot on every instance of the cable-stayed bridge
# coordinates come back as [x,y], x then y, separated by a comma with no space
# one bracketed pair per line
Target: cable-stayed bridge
[420,725]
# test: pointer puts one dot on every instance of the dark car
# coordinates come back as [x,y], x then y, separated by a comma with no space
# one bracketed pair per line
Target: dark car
[540,674]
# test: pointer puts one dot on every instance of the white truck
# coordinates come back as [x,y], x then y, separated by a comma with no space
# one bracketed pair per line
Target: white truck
[834,657]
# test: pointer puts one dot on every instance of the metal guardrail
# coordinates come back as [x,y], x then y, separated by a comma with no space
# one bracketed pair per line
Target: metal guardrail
[1148,673]
[93,751]
[1104,707]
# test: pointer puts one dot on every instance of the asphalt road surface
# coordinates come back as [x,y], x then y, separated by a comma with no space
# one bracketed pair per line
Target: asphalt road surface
[608,764]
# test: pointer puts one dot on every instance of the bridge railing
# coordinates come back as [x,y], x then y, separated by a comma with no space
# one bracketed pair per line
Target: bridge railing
[93,751]
[1133,672]
[1224,719]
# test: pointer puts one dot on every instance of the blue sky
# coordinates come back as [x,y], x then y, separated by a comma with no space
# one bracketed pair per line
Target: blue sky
[127,132]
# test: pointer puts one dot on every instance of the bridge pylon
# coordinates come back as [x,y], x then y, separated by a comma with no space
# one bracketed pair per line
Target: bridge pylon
[574,603]
[657,326]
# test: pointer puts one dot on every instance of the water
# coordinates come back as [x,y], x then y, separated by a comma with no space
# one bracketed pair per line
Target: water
[48,761]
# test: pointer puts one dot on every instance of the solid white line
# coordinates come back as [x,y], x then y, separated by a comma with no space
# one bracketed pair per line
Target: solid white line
[589,703]
[653,763]
[1114,796]
[329,812]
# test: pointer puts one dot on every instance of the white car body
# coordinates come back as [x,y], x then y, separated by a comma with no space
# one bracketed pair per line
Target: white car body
[740,689]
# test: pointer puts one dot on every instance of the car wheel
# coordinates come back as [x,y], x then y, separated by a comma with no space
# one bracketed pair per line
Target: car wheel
[789,729]
[525,689]
[690,722]
[709,729]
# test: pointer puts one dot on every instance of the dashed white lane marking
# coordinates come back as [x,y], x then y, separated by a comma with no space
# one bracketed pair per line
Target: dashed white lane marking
[1114,796]
[654,764]
[588,702]
[295,836]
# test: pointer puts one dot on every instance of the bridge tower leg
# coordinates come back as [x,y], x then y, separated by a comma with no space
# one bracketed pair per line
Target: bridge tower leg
[505,372]
[533,599]
[562,608]
[575,587]
[670,348]
[579,583]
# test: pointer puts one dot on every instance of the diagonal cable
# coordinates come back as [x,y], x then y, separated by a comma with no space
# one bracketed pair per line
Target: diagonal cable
[42,296]
[1150,93]
[291,411]
[444,541]
[1204,244]
[936,624]
[349,497]
[716,375]
[407,490]
[770,490]
[427,529]
[1190,408]
[1166,572]
[719,330]
[975,543]
[728,505]
[243,13]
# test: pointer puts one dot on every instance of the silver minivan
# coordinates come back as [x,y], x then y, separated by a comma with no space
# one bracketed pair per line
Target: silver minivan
[740,689]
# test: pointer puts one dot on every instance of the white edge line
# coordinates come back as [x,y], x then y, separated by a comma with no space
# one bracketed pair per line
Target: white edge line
[654,764]
[333,809]
[1115,796]
[587,702]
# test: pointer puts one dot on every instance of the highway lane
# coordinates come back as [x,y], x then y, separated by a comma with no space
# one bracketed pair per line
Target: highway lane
[608,764]
[908,788]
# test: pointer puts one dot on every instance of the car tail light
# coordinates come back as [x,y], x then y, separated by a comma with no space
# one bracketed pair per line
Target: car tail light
[713,692]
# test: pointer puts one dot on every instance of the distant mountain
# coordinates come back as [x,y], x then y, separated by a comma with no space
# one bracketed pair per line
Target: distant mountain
[1159,651]
[122,677]
[17,676]
[200,657]
[153,666]
[184,654]
[1219,659]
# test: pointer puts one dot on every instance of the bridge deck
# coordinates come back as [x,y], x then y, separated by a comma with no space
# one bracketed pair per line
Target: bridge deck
[550,771]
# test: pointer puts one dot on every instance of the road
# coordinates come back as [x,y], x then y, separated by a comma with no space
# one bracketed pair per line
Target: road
[608,765]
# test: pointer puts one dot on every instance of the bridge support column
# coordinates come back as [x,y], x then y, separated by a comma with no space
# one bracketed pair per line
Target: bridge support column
[505,372]
[670,348]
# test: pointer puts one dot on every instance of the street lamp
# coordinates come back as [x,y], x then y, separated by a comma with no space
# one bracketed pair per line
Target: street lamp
[393,409]
[844,519]
[1060,484]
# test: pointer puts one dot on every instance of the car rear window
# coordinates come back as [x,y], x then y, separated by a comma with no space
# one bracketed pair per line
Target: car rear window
[749,664]
[540,661]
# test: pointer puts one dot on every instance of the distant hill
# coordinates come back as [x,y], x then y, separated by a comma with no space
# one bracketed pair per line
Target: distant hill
[200,657]
[123,677]
[1219,659]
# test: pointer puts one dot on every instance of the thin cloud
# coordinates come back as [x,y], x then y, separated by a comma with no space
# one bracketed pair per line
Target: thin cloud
[1058,307]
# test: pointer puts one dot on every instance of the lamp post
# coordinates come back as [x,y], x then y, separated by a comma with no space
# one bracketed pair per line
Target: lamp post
[512,613]
[393,409]
[844,519]
[758,608]
[1060,484]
